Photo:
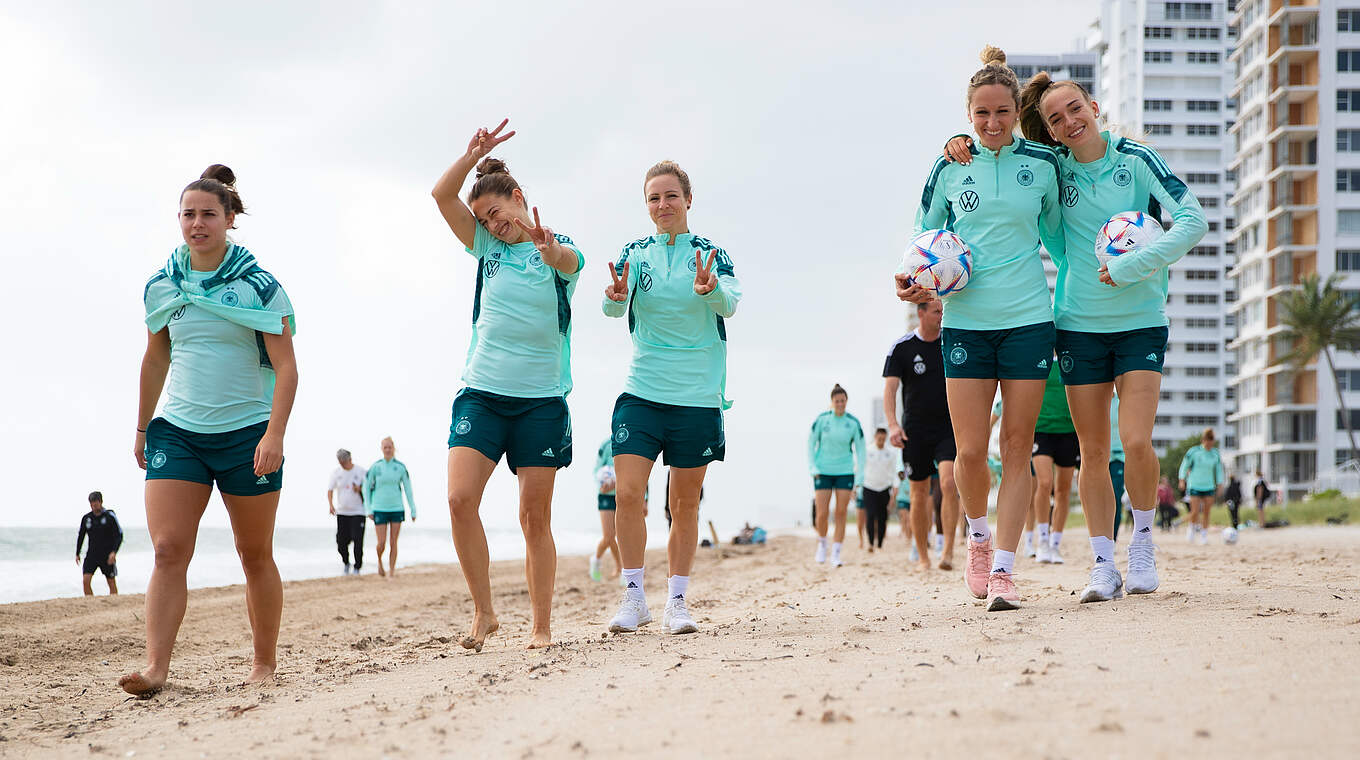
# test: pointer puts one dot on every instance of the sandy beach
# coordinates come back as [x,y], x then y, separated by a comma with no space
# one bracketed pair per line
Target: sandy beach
[1247,649]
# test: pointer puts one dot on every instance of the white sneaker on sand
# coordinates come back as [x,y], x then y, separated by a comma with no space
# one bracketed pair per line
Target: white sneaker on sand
[836,557]
[1042,554]
[1203,538]
[1142,578]
[1030,547]
[939,544]
[1190,534]
[1105,584]
[632,613]
[1054,556]
[676,619]
[821,553]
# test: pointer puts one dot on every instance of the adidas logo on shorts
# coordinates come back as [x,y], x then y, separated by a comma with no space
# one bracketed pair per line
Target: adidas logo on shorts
[548,452]
[1043,364]
[708,452]
[264,480]
[1152,357]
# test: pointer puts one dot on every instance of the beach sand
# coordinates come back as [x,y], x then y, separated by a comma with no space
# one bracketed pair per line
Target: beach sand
[1251,649]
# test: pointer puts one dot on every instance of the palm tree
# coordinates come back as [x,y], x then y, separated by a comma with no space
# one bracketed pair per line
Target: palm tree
[1318,317]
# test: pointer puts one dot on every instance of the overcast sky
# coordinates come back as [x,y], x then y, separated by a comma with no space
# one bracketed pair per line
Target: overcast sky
[807,129]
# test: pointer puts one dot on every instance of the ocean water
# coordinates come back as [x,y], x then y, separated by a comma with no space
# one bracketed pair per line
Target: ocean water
[39,563]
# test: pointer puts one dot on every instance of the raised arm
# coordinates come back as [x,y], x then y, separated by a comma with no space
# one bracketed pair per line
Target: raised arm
[557,251]
[622,279]
[716,282]
[445,192]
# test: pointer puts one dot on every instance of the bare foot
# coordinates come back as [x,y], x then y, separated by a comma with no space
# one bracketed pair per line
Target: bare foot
[142,686]
[946,563]
[482,626]
[540,640]
[381,571]
[260,673]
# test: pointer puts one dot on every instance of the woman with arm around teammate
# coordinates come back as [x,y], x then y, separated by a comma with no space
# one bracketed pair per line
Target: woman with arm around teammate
[1201,476]
[518,374]
[999,329]
[384,483]
[836,463]
[677,289]
[222,328]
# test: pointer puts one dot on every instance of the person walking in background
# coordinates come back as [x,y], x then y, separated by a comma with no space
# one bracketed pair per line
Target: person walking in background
[106,536]
[384,484]
[222,329]
[836,463]
[1232,497]
[1166,504]
[1055,457]
[880,479]
[1201,476]
[1117,467]
[345,495]
[607,505]
[1261,492]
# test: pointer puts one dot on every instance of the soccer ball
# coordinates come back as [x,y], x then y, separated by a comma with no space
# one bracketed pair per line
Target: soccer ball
[1230,535]
[604,476]
[1124,232]
[938,261]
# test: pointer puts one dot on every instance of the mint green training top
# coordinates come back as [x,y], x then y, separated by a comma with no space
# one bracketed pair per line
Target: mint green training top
[1002,205]
[605,458]
[384,484]
[1201,469]
[679,337]
[521,320]
[836,446]
[1130,176]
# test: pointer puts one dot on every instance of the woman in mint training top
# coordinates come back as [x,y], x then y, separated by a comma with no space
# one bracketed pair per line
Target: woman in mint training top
[384,484]
[222,328]
[999,329]
[517,376]
[1111,319]
[836,463]
[676,289]
[1201,476]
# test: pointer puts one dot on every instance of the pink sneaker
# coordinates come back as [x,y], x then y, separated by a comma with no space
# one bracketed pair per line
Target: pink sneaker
[1001,593]
[979,567]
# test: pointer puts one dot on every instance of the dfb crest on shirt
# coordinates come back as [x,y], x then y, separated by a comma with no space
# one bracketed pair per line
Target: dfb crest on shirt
[230,298]
[1025,177]
[1122,176]
[536,261]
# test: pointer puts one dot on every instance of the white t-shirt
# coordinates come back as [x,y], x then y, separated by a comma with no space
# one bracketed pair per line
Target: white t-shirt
[881,466]
[346,484]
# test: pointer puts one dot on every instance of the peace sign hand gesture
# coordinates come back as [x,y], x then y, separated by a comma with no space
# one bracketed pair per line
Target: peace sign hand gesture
[618,291]
[705,279]
[485,141]
[542,238]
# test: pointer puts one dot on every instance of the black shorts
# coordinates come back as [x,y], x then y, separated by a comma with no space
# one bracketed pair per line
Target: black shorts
[872,499]
[97,559]
[1062,447]
[924,450]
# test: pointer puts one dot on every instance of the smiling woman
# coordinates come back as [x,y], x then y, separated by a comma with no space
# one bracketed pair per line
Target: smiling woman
[221,328]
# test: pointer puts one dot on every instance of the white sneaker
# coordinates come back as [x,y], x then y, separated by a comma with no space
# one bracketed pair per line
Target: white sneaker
[836,557]
[913,555]
[1105,584]
[821,553]
[1042,553]
[632,613]
[1055,556]
[1190,535]
[1203,539]
[939,544]
[676,619]
[1030,549]
[1142,577]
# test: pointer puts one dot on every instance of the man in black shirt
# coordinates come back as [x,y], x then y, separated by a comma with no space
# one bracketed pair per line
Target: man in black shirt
[106,536]
[926,435]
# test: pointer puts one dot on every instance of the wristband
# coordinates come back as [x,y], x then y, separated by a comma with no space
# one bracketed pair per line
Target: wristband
[141,430]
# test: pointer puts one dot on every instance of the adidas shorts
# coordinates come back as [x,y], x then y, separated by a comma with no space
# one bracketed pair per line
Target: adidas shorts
[530,432]
[173,453]
[1086,358]
[688,436]
[1016,353]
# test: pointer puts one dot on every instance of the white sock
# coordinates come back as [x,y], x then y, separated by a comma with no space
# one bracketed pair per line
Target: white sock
[1043,533]
[1142,524]
[676,585]
[1055,538]
[1029,536]
[1102,548]
[821,542]
[836,549]
[1002,561]
[978,532]
[632,581]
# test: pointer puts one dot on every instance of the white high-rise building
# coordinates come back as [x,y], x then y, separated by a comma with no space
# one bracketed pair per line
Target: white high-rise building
[1297,143]
[1164,78]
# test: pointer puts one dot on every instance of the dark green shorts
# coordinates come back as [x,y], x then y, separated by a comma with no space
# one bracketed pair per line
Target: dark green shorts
[173,453]
[530,432]
[385,516]
[833,482]
[1086,358]
[608,502]
[1016,353]
[1202,493]
[689,436]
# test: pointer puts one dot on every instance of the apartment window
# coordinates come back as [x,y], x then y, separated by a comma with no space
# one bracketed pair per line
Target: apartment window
[1156,56]
[1202,56]
[1203,250]
[1201,178]
[1158,32]
[1162,419]
[1348,20]
[1201,33]
[1348,100]
[1201,274]
[1230,175]
[1174,11]
[1230,248]
[1201,105]
[1156,105]
[1201,348]
[1166,395]
[1213,226]
[1349,380]
[1345,455]
[1201,298]
[1201,130]
[1199,420]
[1201,323]
[1348,222]
[1154,130]
[1348,180]
[1201,395]
[1348,260]
[1199,11]
[1348,60]
[1202,371]
[1209,202]
[1351,295]
[1348,140]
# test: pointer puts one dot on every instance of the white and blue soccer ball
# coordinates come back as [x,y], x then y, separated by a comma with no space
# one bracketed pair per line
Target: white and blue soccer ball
[604,476]
[1124,232]
[1230,535]
[939,261]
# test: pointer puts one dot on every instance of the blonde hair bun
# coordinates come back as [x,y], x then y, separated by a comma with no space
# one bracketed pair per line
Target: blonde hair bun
[993,56]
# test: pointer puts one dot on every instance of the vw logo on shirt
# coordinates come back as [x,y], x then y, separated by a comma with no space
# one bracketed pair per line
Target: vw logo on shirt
[968,201]
[491,268]
[645,281]
[1069,196]
[178,313]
